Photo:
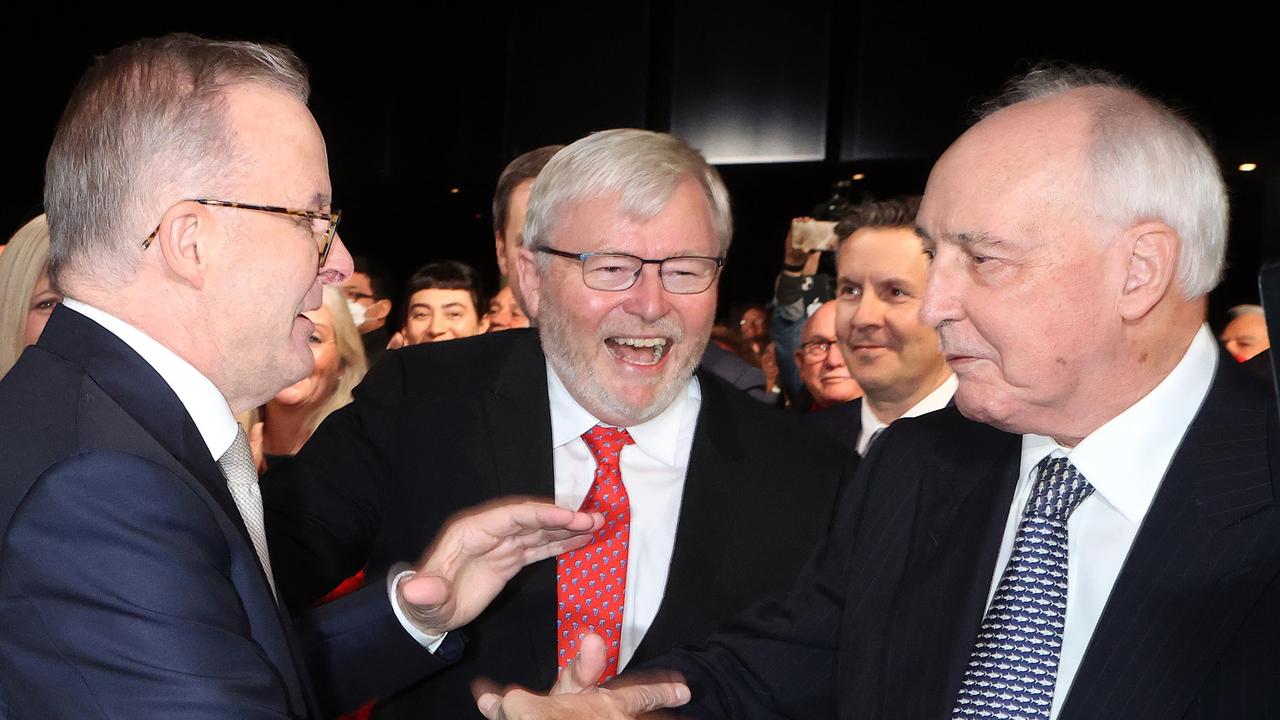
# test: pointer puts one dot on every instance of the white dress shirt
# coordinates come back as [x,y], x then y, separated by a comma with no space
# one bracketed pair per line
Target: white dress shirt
[653,471]
[202,399]
[210,413]
[1124,461]
[935,400]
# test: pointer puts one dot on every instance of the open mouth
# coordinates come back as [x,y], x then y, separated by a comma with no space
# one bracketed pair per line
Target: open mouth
[636,350]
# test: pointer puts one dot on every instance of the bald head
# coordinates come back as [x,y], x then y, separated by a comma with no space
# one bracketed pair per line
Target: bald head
[821,366]
[1072,251]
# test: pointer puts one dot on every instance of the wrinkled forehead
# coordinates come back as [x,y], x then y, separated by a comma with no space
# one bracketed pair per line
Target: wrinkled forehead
[1013,169]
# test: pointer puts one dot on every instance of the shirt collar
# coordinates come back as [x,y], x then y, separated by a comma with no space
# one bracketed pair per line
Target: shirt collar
[935,400]
[204,403]
[1126,458]
[657,437]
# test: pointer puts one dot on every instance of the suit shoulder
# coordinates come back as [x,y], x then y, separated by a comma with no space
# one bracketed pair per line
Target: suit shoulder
[104,489]
[765,429]
[462,365]
[944,433]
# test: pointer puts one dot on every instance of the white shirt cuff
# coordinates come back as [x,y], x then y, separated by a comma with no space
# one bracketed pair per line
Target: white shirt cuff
[398,572]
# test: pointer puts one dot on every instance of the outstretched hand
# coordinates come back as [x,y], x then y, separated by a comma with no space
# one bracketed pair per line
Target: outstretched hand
[576,695]
[478,551]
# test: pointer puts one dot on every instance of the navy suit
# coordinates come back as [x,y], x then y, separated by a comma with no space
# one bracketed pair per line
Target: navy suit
[882,623]
[128,584]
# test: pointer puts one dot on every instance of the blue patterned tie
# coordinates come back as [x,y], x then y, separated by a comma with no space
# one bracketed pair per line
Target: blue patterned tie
[1014,665]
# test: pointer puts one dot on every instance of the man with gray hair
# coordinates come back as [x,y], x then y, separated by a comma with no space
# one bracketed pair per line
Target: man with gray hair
[706,505]
[1093,531]
[1246,332]
[188,198]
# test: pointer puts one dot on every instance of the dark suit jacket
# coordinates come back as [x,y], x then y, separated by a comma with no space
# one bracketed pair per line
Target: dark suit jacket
[737,372]
[883,622]
[439,427]
[842,423]
[128,584]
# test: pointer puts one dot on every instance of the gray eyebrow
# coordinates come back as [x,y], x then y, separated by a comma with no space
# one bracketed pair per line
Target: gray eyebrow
[965,238]
[969,239]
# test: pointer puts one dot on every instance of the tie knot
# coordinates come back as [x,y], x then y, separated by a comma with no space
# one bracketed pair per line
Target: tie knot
[606,442]
[1059,488]
[237,462]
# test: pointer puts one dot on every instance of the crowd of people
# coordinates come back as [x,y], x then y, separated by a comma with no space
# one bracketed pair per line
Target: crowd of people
[992,464]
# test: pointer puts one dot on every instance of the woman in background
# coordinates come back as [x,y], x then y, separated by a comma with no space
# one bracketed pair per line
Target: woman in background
[26,296]
[292,415]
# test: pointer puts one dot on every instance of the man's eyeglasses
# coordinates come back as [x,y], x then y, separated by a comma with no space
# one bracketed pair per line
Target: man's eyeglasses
[816,350]
[324,226]
[614,272]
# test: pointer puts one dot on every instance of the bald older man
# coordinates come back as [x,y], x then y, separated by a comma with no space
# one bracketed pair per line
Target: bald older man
[821,363]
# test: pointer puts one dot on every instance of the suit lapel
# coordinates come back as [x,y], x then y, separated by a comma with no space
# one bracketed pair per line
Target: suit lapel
[706,516]
[965,492]
[518,417]
[1197,565]
[137,388]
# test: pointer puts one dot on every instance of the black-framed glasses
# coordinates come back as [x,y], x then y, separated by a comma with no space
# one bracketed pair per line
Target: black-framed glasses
[815,350]
[324,226]
[614,272]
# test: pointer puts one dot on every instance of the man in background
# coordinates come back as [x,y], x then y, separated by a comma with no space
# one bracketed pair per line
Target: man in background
[510,198]
[1246,332]
[821,362]
[889,350]
[368,295]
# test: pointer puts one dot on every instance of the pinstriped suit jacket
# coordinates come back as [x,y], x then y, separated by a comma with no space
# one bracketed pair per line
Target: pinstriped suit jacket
[882,622]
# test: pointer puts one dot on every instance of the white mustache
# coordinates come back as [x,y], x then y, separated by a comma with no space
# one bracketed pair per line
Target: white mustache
[665,327]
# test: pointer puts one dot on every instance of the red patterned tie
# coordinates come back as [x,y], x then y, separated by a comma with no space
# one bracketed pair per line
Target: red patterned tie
[591,582]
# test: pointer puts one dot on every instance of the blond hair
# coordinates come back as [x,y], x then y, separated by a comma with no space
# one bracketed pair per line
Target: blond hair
[23,262]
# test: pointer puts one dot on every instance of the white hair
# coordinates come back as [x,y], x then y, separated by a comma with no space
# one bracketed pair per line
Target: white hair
[1146,162]
[645,167]
[1243,310]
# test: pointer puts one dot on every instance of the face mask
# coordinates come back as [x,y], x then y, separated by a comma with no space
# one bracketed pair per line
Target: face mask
[357,312]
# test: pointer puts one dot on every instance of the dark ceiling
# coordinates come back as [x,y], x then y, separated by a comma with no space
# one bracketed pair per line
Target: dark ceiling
[416,104]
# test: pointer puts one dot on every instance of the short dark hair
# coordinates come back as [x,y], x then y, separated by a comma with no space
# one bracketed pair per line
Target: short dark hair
[524,167]
[379,284]
[894,212]
[448,275]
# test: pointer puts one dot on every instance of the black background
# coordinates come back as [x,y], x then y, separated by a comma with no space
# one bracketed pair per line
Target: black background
[416,102]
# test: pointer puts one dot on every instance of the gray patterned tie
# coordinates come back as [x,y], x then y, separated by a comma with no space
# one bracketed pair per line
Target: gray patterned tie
[242,480]
[1014,665]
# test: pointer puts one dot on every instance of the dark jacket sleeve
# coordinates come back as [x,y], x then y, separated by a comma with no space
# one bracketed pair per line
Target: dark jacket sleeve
[325,507]
[119,602]
[778,659]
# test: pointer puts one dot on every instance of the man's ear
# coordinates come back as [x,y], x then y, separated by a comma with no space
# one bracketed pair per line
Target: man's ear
[183,239]
[1151,267]
[379,310]
[500,247]
[530,282]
